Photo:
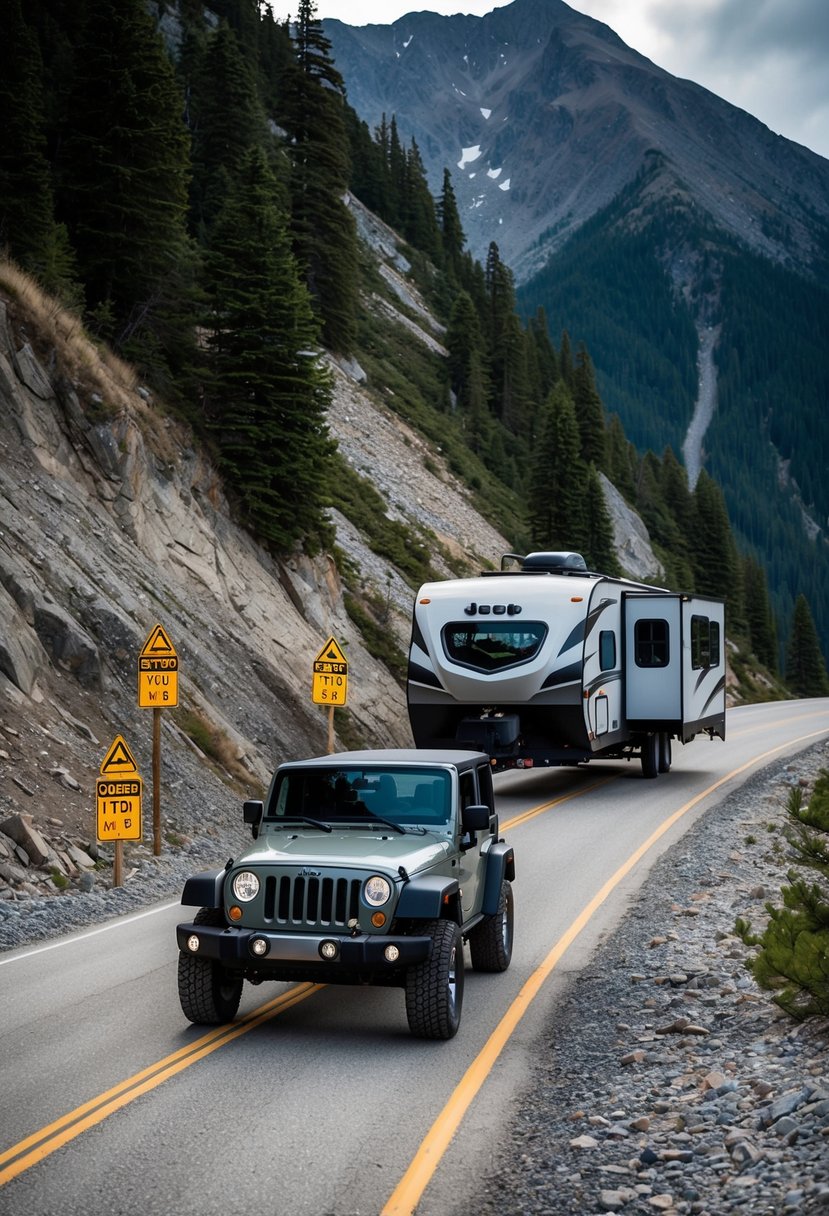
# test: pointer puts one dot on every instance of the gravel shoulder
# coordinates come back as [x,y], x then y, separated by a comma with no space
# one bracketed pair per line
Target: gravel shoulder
[667,1080]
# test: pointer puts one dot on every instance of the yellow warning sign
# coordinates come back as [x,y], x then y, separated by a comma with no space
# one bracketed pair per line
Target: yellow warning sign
[157,672]
[119,760]
[330,682]
[118,795]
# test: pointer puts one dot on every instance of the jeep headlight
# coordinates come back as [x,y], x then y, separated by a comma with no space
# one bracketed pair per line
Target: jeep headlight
[245,886]
[377,890]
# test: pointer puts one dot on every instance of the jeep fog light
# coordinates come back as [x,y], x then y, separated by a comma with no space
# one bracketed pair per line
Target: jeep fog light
[259,946]
[392,954]
[193,943]
[329,950]
[245,886]
[377,890]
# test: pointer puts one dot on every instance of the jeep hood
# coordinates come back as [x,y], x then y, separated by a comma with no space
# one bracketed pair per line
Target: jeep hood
[357,848]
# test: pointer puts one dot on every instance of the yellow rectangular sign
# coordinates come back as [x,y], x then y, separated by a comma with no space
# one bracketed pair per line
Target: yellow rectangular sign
[119,807]
[330,688]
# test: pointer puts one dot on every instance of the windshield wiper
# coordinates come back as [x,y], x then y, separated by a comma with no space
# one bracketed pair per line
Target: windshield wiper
[388,822]
[315,823]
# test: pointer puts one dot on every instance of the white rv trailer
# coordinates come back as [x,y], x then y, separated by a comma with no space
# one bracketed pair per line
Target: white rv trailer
[552,664]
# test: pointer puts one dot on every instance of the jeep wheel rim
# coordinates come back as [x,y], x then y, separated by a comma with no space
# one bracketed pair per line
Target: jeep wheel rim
[452,981]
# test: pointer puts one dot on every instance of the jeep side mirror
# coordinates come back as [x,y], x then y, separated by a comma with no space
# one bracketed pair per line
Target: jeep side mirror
[476,818]
[252,811]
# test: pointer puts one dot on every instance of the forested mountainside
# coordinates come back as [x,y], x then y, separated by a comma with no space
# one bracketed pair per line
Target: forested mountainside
[676,236]
[186,181]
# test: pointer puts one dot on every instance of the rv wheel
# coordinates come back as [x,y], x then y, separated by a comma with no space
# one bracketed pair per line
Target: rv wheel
[650,755]
[664,762]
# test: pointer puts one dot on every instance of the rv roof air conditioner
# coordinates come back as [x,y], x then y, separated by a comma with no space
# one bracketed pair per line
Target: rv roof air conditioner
[547,563]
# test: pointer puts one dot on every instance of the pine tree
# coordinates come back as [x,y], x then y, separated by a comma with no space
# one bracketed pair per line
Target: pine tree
[716,566]
[805,665]
[589,410]
[226,118]
[124,178]
[759,616]
[598,547]
[621,459]
[556,501]
[450,227]
[28,228]
[793,955]
[324,235]
[268,399]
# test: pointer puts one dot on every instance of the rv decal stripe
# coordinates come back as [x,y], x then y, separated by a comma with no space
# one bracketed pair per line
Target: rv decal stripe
[575,636]
[565,675]
[422,675]
[714,694]
[595,613]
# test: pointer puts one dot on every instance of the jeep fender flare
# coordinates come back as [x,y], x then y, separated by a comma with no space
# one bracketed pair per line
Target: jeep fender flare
[500,865]
[426,898]
[204,890]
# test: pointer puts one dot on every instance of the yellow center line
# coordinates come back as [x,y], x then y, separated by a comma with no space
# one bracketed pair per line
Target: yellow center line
[39,1145]
[34,1148]
[408,1192]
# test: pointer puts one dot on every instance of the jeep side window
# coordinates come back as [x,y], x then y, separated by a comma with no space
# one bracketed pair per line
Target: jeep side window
[485,793]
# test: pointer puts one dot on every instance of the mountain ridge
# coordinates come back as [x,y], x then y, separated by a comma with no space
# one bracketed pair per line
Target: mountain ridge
[589,108]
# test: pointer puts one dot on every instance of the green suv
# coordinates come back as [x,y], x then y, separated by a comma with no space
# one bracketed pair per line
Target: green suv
[369,867]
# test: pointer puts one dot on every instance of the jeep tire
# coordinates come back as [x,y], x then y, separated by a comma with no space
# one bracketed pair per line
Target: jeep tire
[434,988]
[208,992]
[490,942]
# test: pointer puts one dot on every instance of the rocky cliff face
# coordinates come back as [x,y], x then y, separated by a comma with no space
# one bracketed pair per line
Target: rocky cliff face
[110,521]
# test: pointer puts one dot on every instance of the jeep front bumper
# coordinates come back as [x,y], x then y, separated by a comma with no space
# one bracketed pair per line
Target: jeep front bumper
[265,949]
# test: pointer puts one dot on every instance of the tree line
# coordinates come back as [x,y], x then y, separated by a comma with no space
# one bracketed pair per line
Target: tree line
[188,195]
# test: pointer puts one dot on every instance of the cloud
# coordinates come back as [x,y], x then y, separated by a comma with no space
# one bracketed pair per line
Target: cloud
[767,56]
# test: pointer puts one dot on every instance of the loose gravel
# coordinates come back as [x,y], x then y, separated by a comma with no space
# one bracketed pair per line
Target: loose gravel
[668,1081]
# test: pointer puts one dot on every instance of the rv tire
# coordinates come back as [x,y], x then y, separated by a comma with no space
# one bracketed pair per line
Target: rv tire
[650,755]
[664,761]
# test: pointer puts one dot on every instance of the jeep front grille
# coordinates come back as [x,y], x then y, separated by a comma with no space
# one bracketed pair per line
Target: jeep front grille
[311,902]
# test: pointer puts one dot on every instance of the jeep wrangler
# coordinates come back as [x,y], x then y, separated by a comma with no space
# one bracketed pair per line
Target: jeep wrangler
[368,867]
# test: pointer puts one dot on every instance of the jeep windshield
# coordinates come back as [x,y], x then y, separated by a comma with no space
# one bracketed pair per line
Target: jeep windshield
[353,794]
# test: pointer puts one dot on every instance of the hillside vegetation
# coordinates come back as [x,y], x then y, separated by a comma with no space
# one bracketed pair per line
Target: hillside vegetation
[188,187]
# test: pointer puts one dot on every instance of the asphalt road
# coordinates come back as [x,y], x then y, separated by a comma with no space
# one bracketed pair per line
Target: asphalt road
[322,1103]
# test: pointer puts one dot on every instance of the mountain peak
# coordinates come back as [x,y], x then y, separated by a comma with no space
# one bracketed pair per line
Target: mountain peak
[543,115]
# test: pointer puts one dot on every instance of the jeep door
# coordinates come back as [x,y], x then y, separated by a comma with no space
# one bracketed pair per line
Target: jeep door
[472,792]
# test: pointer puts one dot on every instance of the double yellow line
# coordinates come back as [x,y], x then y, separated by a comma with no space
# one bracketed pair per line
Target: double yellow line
[404,1199]
[41,1143]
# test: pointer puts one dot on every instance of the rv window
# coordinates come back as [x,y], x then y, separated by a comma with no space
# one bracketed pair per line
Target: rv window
[607,650]
[650,643]
[493,645]
[700,642]
[715,644]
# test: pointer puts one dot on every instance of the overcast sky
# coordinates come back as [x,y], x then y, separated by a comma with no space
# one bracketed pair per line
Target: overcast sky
[770,57]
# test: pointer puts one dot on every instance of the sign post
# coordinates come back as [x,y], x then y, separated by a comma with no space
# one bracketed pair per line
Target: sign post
[330,682]
[157,690]
[118,799]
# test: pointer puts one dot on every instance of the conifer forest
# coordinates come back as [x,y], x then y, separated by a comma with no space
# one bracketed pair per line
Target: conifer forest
[179,176]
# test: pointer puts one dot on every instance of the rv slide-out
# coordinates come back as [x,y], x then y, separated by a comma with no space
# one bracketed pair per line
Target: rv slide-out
[549,663]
